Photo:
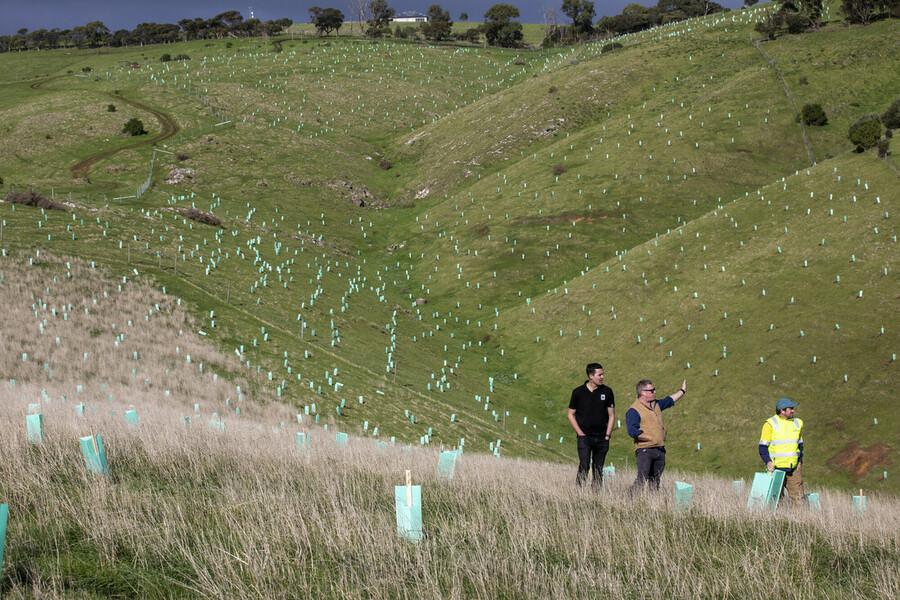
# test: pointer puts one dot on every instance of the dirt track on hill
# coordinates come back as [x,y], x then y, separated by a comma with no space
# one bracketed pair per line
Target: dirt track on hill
[169,129]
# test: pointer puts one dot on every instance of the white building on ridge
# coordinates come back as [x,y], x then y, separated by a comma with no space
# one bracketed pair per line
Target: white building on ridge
[410,16]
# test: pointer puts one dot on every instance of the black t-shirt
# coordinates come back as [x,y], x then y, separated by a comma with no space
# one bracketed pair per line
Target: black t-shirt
[591,409]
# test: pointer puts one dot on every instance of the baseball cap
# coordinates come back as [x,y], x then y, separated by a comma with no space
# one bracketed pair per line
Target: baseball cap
[785,403]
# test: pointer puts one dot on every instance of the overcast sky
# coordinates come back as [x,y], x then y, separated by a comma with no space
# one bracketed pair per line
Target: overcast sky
[127,14]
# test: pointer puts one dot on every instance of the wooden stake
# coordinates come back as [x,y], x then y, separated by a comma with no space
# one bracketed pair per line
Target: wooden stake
[94,439]
[408,489]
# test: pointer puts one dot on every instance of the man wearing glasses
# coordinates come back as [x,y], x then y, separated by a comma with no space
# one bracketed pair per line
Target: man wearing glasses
[592,413]
[646,428]
[781,446]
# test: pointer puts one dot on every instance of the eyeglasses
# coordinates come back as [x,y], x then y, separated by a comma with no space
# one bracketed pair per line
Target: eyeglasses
[651,390]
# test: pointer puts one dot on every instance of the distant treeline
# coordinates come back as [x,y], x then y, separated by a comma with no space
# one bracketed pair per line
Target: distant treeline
[96,35]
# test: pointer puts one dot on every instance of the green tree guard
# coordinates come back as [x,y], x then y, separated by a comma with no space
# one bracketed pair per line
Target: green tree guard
[608,474]
[766,490]
[94,454]
[4,514]
[813,501]
[408,505]
[447,464]
[684,492]
[35,425]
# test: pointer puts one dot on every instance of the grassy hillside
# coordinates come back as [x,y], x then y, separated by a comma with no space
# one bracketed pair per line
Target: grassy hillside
[355,177]
[225,503]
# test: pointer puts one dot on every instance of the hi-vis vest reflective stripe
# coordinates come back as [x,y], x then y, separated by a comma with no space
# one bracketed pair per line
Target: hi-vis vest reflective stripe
[784,448]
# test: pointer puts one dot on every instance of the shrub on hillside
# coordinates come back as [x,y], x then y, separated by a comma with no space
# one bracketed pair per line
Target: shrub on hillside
[795,23]
[110,108]
[165,57]
[134,126]
[201,217]
[884,147]
[385,164]
[866,132]
[559,170]
[31,198]
[891,117]
[406,32]
[814,114]
[181,57]
[610,47]
[469,35]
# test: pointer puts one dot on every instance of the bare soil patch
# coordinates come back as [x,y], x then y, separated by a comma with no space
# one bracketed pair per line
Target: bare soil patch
[859,461]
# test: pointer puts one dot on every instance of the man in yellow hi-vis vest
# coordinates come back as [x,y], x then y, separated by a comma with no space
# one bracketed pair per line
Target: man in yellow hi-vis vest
[781,446]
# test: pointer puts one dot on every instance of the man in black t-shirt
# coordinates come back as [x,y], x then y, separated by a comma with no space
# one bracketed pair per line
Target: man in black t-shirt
[592,414]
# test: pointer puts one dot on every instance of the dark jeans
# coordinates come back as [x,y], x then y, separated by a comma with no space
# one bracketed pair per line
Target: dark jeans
[588,447]
[650,465]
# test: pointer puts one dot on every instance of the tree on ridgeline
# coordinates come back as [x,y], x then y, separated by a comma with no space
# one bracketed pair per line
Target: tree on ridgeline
[792,17]
[229,19]
[464,16]
[499,27]
[380,22]
[359,13]
[582,14]
[439,25]
[326,20]
[553,33]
